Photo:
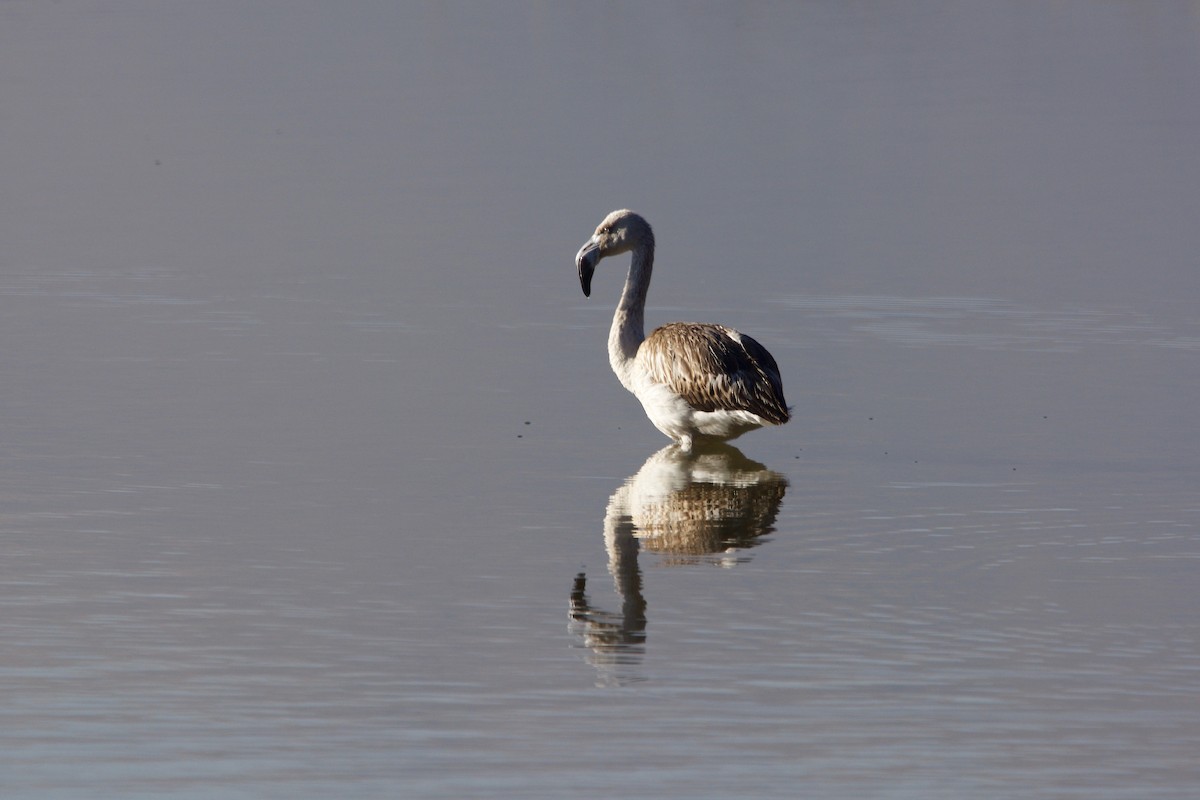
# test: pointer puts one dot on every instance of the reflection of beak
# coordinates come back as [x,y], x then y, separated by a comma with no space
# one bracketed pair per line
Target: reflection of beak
[586,259]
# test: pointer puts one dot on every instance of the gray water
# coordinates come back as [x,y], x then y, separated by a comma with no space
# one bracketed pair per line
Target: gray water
[314,480]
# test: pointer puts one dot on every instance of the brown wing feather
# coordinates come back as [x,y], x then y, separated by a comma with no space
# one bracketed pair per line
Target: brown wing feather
[713,367]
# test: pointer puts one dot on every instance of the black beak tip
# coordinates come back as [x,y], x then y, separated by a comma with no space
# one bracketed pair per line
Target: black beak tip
[585,279]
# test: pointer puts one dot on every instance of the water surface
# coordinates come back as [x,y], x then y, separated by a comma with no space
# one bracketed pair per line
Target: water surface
[314,480]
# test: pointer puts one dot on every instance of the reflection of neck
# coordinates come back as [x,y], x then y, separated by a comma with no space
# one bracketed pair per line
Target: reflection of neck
[623,549]
[628,326]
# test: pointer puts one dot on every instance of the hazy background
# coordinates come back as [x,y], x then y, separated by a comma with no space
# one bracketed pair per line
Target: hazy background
[306,427]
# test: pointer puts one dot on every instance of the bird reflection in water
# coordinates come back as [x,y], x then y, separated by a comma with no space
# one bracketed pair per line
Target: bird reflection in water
[700,507]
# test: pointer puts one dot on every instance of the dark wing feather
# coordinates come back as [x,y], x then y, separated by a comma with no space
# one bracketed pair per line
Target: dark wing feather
[713,367]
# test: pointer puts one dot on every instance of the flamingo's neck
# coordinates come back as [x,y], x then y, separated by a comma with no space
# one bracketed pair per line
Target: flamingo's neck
[628,326]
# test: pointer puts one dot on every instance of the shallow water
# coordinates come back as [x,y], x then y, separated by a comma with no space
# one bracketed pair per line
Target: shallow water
[315,481]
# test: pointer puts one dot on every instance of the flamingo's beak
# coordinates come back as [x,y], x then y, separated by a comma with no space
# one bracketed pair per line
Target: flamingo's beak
[586,259]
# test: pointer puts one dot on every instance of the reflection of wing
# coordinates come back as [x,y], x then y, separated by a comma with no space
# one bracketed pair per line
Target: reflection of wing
[715,368]
[704,502]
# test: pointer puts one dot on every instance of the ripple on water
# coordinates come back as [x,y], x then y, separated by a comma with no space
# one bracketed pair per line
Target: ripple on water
[987,323]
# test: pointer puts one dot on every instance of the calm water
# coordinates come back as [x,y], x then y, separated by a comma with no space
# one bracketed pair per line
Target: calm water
[314,481]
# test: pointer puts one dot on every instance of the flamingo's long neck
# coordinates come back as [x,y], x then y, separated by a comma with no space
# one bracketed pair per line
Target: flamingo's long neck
[628,326]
